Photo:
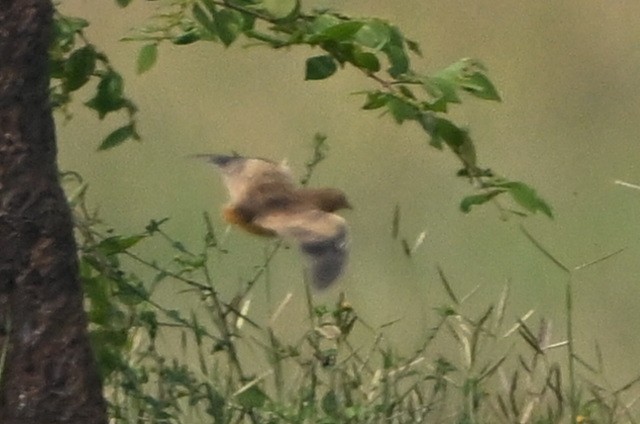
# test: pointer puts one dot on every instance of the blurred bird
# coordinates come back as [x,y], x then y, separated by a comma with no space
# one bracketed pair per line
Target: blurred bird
[265,200]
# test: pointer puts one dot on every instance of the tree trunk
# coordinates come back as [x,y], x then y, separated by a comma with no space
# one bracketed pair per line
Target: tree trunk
[49,374]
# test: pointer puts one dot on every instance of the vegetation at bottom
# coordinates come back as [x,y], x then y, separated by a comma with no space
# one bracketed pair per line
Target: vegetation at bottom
[216,363]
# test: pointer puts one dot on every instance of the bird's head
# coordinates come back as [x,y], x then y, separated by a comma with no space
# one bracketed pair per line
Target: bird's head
[227,164]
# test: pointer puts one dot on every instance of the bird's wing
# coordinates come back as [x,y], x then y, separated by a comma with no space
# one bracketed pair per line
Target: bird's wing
[251,178]
[323,239]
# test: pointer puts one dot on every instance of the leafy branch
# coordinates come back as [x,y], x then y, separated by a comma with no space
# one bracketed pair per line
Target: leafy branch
[373,46]
[74,63]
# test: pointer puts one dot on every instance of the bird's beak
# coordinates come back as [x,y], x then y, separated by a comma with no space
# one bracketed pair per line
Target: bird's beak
[222,160]
[218,160]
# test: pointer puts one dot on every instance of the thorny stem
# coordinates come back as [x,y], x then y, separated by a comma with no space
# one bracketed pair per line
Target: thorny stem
[261,269]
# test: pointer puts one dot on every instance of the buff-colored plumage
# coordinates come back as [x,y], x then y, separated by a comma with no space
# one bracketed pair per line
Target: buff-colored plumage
[264,199]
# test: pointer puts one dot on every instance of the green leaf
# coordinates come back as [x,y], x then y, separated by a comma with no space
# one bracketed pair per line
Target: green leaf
[342,52]
[253,397]
[456,71]
[110,337]
[96,290]
[322,22]
[341,32]
[478,199]
[466,151]
[275,42]
[374,34]
[228,24]
[70,24]
[117,137]
[376,100]
[108,96]
[320,67]
[479,85]
[401,110]
[406,91]
[470,75]
[79,67]
[443,90]
[414,47]
[396,53]
[118,244]
[147,57]
[330,404]
[366,60]
[188,37]
[56,68]
[123,3]
[211,6]
[398,60]
[282,10]
[428,122]
[131,292]
[65,29]
[526,197]
[203,18]
[456,138]
[449,132]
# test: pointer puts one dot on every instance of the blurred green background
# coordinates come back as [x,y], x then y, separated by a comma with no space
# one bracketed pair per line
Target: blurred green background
[568,125]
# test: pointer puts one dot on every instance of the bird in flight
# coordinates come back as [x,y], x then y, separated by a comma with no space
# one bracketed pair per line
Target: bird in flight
[265,200]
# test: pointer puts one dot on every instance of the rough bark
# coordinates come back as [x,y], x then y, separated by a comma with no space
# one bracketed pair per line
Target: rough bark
[49,374]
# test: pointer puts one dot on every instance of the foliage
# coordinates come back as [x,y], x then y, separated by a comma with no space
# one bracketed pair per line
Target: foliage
[75,62]
[373,46]
[469,367]
[376,48]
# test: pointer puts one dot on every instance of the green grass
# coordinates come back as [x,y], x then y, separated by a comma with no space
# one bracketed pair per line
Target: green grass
[216,363]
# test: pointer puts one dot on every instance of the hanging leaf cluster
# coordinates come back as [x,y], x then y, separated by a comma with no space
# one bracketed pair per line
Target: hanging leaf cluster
[374,47]
[76,63]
